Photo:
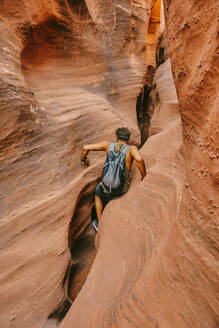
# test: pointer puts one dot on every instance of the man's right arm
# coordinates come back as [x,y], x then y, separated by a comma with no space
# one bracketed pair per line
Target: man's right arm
[98,147]
[139,161]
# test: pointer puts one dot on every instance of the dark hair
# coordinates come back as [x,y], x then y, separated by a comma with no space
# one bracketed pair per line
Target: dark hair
[123,134]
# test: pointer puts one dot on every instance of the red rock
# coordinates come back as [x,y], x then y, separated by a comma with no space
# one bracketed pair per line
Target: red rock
[160,269]
[70,75]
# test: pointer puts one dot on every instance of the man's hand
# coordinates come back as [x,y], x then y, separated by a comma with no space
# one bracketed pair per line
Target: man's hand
[85,162]
[85,150]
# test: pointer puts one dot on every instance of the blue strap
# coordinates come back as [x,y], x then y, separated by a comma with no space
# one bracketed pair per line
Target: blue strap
[125,150]
[111,146]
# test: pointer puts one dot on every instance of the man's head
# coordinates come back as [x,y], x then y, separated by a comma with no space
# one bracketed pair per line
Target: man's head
[123,134]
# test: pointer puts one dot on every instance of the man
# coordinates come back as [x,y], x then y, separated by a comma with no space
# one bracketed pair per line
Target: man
[117,152]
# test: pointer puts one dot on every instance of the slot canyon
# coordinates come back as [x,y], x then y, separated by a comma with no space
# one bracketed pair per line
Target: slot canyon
[72,72]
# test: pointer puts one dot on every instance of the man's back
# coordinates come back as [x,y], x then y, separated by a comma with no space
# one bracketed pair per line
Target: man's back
[102,194]
[116,174]
[131,155]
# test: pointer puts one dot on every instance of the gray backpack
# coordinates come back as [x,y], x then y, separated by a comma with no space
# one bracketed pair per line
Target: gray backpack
[114,168]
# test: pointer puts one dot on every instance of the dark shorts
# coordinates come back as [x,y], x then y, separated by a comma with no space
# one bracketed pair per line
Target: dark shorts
[105,197]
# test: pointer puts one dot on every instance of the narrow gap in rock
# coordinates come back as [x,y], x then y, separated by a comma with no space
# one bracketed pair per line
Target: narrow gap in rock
[59,313]
[143,117]
[79,10]
[144,105]
[81,242]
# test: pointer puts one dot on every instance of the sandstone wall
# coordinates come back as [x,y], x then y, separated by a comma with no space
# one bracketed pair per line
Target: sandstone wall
[70,74]
[124,287]
[161,268]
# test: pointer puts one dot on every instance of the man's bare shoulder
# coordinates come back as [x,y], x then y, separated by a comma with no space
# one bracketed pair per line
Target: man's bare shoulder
[135,153]
[133,149]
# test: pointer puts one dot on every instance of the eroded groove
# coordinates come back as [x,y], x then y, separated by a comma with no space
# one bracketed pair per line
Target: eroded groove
[143,106]
[81,238]
[154,57]
[79,10]
[60,312]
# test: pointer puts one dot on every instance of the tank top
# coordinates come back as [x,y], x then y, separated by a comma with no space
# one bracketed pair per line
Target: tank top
[118,147]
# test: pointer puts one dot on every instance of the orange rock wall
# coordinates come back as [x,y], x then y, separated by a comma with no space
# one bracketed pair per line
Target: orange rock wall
[193,43]
[124,287]
[152,41]
[161,268]
[70,74]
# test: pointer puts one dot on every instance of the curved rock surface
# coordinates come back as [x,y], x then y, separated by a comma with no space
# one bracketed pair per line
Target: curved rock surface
[70,73]
[161,268]
[122,288]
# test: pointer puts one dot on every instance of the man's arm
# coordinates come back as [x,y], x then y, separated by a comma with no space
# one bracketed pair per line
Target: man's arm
[104,146]
[139,161]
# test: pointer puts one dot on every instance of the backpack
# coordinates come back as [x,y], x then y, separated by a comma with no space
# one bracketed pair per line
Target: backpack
[114,168]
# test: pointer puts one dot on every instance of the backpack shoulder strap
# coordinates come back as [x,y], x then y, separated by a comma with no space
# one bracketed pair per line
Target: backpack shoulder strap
[124,151]
[111,147]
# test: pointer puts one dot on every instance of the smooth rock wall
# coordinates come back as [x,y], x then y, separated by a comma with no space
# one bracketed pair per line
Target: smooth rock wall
[70,74]
[126,280]
[161,266]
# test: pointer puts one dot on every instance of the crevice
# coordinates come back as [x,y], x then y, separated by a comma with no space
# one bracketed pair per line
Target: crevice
[79,10]
[81,243]
[160,55]
[143,117]
[81,238]
[59,313]
[144,104]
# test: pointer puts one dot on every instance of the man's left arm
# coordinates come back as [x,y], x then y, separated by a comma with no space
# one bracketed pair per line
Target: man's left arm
[139,161]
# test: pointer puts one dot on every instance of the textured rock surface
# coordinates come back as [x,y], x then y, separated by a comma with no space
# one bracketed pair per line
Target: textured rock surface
[70,74]
[123,287]
[162,269]
[152,61]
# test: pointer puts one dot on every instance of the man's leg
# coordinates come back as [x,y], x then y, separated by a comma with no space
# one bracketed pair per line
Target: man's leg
[99,206]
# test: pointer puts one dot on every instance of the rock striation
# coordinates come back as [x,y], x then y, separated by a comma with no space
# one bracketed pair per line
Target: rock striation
[123,288]
[162,269]
[71,72]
